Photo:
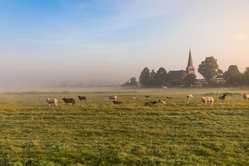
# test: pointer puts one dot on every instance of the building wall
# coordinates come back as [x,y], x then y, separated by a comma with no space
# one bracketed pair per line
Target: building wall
[190,70]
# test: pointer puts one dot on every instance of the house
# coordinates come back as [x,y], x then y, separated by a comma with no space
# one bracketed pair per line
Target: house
[217,81]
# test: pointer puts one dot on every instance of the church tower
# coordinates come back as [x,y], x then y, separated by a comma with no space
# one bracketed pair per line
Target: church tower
[190,69]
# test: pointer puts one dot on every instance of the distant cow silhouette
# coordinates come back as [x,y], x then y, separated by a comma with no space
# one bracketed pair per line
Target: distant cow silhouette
[69,100]
[82,98]
[151,103]
[117,102]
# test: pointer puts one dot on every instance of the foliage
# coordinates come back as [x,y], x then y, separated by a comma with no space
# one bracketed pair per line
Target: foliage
[232,70]
[190,79]
[153,79]
[219,73]
[208,68]
[130,83]
[161,77]
[234,77]
[145,78]
[97,132]
[176,83]
[246,71]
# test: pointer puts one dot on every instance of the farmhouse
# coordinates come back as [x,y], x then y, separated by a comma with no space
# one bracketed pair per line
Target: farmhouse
[181,74]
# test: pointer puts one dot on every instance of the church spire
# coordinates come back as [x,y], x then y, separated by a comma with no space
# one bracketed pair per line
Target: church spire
[190,60]
[190,69]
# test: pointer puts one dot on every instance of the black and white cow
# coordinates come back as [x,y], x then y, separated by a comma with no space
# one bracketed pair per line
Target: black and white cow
[222,96]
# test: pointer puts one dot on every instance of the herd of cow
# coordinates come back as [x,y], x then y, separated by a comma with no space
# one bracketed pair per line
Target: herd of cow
[113,97]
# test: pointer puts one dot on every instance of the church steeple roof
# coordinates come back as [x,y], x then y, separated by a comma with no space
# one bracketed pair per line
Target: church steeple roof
[190,60]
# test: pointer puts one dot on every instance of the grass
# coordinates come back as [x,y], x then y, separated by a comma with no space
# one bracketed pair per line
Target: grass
[97,132]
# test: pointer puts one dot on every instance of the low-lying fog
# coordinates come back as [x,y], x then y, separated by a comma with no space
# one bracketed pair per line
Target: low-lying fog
[62,80]
[57,89]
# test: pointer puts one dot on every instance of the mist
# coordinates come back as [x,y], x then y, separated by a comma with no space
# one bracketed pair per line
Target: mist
[68,42]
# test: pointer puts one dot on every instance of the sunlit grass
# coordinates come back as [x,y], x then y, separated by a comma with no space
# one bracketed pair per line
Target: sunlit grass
[98,132]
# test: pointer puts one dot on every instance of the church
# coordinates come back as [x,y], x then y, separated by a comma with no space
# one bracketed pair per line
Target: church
[181,74]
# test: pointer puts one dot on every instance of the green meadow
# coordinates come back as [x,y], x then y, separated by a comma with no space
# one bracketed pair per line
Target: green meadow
[97,132]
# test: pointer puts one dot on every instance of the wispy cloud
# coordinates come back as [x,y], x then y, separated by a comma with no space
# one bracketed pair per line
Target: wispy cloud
[122,14]
[99,19]
[137,12]
[241,36]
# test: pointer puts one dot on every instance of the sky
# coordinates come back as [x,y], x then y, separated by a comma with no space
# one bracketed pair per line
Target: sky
[51,42]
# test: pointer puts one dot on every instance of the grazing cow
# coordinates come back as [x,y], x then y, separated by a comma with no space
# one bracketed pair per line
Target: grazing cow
[207,99]
[189,96]
[113,97]
[246,96]
[147,96]
[151,103]
[55,101]
[222,96]
[169,97]
[117,102]
[82,98]
[160,101]
[69,100]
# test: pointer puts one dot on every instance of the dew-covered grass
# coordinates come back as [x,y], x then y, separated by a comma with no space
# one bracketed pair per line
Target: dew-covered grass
[97,132]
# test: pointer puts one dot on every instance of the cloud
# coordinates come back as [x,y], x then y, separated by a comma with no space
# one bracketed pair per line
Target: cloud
[98,19]
[137,11]
[241,37]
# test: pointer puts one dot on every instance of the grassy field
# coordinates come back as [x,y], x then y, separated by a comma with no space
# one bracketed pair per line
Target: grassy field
[97,132]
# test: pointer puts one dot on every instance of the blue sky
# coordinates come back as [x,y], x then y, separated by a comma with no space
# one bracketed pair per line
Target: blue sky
[109,41]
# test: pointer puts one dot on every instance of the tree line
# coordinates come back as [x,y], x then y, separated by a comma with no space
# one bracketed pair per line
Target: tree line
[208,68]
[151,79]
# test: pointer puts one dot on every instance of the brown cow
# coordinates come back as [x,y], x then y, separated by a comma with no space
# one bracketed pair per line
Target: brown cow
[82,98]
[151,103]
[69,100]
[117,102]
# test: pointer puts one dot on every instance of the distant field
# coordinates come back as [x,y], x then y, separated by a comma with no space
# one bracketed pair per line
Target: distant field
[97,132]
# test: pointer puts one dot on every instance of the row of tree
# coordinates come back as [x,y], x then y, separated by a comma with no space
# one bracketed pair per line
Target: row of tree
[234,77]
[157,79]
[208,68]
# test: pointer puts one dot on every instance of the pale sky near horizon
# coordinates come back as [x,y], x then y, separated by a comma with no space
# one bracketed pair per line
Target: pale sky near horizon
[109,41]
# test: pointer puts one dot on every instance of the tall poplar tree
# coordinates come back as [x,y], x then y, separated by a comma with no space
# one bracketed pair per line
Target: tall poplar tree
[144,78]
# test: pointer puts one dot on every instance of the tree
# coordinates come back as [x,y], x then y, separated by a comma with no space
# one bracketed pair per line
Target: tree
[219,73]
[247,71]
[130,83]
[161,77]
[176,83]
[133,81]
[190,79]
[152,78]
[144,78]
[246,76]
[208,68]
[232,70]
[235,78]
